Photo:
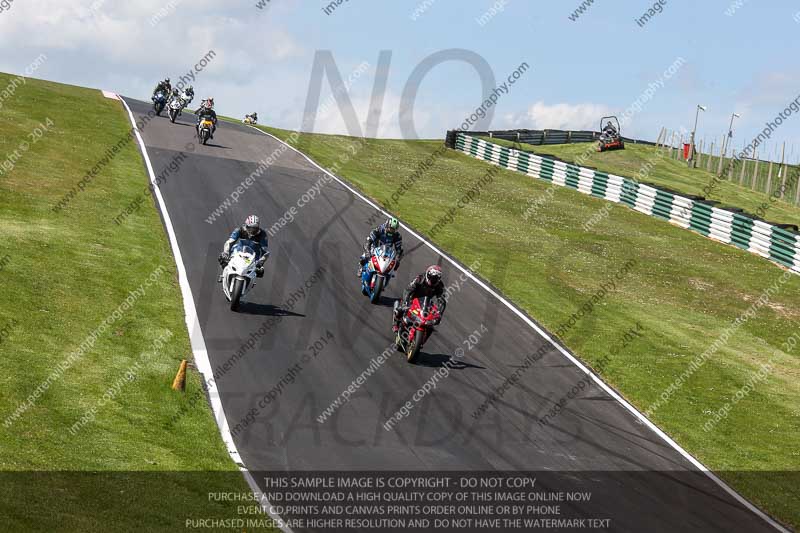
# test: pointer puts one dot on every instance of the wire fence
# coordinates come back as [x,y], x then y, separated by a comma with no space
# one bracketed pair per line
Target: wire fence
[771,175]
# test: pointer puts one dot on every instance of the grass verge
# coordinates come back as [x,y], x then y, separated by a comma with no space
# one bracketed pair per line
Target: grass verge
[105,444]
[683,293]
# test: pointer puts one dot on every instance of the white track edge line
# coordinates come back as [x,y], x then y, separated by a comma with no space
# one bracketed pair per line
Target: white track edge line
[738,497]
[196,338]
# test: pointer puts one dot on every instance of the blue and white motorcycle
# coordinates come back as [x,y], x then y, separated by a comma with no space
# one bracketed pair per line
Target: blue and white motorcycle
[159,102]
[377,271]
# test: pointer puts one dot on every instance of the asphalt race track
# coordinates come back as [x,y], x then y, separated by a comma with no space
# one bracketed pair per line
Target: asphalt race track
[594,436]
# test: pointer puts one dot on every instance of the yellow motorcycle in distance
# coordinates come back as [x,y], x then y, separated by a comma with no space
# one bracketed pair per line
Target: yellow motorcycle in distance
[204,130]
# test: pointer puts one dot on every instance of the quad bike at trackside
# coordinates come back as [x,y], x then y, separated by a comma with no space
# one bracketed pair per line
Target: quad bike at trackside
[377,271]
[240,273]
[416,326]
[204,130]
[159,102]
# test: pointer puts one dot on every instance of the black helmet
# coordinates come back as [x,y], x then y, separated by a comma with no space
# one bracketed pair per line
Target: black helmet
[433,275]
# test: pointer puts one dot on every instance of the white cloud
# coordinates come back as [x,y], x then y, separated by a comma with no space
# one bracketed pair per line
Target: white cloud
[122,34]
[555,116]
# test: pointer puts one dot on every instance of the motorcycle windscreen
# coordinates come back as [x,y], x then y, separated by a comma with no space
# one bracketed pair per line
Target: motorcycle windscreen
[246,246]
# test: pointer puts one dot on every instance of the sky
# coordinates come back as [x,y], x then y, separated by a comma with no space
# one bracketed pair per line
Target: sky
[729,55]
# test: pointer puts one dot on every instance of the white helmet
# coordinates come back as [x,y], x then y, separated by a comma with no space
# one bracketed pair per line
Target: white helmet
[252,224]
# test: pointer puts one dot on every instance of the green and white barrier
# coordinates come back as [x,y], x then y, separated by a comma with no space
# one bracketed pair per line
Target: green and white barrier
[776,244]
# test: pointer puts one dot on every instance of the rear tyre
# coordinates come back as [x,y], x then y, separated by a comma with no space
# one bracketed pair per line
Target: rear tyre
[236,294]
[412,351]
[377,289]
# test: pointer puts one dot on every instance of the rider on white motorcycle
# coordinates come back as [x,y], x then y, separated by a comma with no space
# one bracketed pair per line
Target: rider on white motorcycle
[386,233]
[184,98]
[188,95]
[250,230]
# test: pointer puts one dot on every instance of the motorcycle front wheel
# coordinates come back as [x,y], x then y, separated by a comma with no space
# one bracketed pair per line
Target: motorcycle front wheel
[412,351]
[375,297]
[236,294]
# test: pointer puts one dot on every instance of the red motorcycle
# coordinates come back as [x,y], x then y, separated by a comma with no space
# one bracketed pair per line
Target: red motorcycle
[416,327]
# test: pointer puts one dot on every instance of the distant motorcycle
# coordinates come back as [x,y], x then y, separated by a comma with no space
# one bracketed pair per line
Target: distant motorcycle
[204,130]
[186,99]
[250,120]
[176,105]
[239,275]
[159,101]
[377,272]
[416,327]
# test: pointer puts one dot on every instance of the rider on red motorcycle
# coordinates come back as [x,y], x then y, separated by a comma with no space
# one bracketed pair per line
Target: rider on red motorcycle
[427,284]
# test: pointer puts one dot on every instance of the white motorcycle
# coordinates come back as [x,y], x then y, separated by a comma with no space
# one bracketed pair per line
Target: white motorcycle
[175,108]
[239,275]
